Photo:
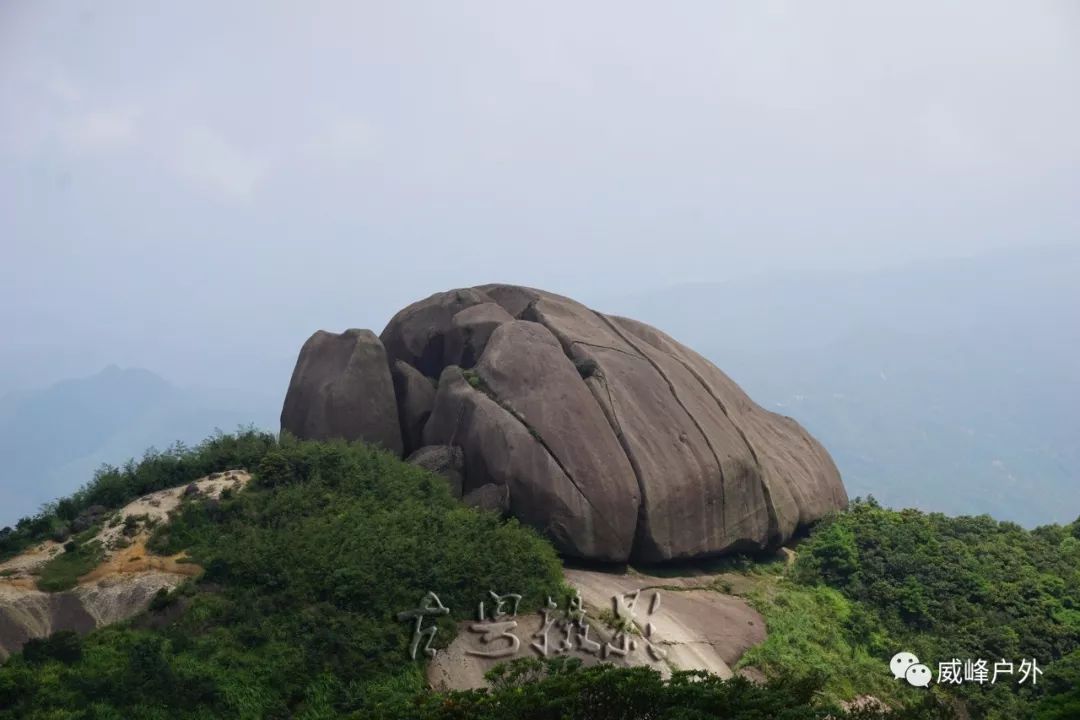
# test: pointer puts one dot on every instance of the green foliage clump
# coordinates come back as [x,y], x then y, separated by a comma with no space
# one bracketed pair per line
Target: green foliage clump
[307,569]
[818,630]
[474,380]
[562,689]
[587,367]
[113,487]
[63,571]
[945,588]
[1061,700]
[296,613]
[64,647]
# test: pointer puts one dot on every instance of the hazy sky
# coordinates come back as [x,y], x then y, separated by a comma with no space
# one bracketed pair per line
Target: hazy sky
[188,187]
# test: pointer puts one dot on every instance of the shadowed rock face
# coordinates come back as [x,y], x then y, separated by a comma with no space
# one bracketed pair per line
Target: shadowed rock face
[26,614]
[610,437]
[415,398]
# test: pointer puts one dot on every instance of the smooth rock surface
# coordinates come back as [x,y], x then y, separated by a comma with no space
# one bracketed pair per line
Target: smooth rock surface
[27,614]
[417,333]
[470,330]
[525,368]
[689,629]
[120,587]
[490,497]
[500,449]
[341,388]
[609,437]
[415,395]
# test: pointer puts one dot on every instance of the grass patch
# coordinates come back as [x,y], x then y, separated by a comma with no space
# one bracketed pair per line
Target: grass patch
[811,630]
[617,623]
[63,571]
[87,535]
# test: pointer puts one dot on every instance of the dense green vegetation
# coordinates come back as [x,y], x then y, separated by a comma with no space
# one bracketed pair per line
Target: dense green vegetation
[1061,700]
[305,572]
[561,689]
[809,631]
[296,613]
[968,587]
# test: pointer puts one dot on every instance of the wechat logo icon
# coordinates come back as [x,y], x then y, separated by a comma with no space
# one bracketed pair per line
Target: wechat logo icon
[905,666]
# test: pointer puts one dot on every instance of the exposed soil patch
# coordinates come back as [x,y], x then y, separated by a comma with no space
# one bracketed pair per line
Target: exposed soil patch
[119,587]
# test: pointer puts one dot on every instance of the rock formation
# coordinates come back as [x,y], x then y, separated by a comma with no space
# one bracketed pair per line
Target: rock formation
[26,614]
[341,387]
[606,435]
[445,460]
[678,624]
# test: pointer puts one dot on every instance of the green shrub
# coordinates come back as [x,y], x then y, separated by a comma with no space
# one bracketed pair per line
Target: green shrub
[561,689]
[113,487]
[64,647]
[1061,699]
[63,571]
[161,600]
[809,631]
[587,368]
[296,614]
[964,587]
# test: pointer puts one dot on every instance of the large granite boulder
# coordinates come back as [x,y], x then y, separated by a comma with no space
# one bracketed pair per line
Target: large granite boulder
[417,334]
[606,435]
[341,388]
[415,399]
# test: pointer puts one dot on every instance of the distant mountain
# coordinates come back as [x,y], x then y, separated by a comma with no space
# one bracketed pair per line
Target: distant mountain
[52,440]
[951,386]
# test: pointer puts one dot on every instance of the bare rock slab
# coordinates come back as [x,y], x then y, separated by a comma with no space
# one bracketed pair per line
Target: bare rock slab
[690,629]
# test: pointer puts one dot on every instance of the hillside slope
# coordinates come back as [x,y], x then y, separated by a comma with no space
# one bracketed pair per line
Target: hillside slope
[310,574]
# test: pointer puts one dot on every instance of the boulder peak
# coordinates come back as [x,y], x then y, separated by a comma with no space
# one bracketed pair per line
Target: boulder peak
[605,434]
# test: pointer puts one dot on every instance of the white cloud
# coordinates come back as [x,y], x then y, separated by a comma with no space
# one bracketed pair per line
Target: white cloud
[952,143]
[101,129]
[207,159]
[59,86]
[342,140]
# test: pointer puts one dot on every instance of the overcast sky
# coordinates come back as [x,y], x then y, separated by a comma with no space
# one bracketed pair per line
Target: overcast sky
[182,182]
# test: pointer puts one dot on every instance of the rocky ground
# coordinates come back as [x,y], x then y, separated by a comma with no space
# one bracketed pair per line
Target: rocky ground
[121,585]
[691,621]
